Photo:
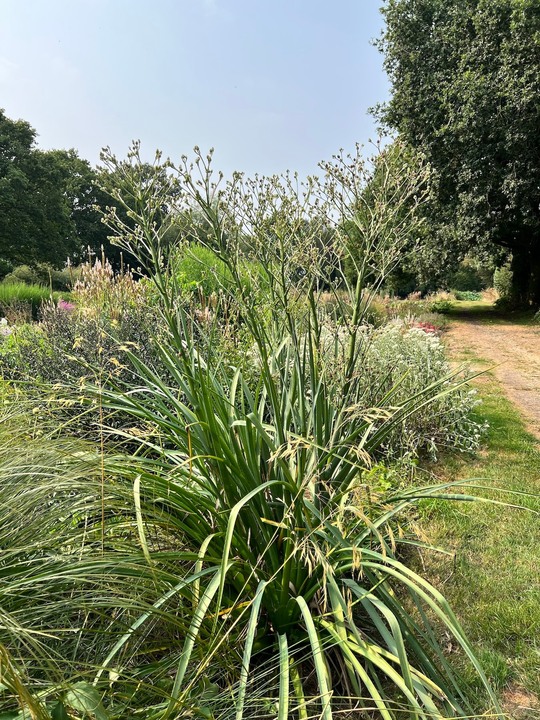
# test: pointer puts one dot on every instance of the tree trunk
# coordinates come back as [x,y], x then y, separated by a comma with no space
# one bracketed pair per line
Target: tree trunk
[526,275]
[534,287]
[520,277]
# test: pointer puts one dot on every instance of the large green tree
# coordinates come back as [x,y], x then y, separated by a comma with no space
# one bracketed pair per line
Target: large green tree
[83,196]
[16,210]
[465,78]
[47,200]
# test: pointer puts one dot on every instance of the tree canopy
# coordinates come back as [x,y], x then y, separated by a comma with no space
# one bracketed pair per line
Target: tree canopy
[47,200]
[466,92]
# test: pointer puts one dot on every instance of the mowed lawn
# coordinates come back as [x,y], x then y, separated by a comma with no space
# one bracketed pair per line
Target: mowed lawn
[492,577]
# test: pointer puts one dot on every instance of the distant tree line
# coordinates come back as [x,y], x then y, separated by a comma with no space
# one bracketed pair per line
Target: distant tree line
[49,201]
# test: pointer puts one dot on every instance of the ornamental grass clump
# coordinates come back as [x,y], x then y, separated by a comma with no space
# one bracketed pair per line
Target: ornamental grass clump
[21,302]
[102,292]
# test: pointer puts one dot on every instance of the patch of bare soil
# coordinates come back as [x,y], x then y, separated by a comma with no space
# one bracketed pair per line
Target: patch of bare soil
[514,351]
[520,704]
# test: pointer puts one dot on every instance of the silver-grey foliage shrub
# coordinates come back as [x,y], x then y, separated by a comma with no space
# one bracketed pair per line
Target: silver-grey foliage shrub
[502,281]
[404,360]
[394,362]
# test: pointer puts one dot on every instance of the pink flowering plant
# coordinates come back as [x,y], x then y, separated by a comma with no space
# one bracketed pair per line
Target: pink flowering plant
[426,327]
[65,306]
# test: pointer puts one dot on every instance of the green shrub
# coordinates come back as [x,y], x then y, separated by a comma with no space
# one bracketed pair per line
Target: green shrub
[442,307]
[197,269]
[61,280]
[467,295]
[70,348]
[23,274]
[415,309]
[502,281]
[44,275]
[26,354]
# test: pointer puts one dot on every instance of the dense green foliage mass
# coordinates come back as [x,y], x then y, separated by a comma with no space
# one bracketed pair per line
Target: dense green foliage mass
[49,203]
[47,200]
[465,90]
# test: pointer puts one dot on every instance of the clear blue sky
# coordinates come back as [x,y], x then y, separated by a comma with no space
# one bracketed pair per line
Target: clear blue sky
[271,84]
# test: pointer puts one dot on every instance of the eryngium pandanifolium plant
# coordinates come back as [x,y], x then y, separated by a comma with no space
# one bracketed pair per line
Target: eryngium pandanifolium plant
[268,575]
[263,484]
[395,361]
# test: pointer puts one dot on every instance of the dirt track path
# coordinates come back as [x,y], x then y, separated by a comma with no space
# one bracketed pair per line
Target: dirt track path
[514,351]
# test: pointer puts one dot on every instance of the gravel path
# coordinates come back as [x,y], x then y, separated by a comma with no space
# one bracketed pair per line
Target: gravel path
[514,351]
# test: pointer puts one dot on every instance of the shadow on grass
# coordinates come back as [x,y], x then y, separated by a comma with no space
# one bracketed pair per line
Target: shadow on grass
[483,311]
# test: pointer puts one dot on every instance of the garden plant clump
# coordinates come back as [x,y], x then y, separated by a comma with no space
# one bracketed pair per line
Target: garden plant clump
[228,555]
[469,295]
[416,309]
[107,312]
[402,359]
[21,302]
[82,341]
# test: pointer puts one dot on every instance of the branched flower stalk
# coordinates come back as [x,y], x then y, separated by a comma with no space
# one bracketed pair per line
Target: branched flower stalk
[264,570]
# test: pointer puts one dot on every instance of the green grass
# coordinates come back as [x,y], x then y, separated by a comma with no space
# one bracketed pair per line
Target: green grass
[485,310]
[13,295]
[467,307]
[493,580]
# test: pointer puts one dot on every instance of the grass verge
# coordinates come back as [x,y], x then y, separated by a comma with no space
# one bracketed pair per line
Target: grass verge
[486,310]
[493,579]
